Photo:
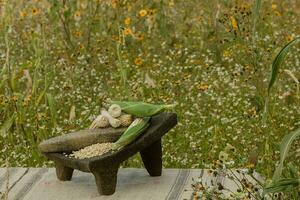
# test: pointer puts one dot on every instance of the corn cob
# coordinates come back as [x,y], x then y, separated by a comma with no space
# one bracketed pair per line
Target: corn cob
[99,122]
[112,121]
[126,120]
[115,110]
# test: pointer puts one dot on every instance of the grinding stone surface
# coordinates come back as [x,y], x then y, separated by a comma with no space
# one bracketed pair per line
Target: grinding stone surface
[77,140]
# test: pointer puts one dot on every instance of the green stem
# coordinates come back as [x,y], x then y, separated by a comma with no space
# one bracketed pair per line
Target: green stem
[266,110]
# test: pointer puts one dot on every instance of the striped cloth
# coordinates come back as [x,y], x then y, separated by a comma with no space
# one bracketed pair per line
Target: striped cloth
[133,184]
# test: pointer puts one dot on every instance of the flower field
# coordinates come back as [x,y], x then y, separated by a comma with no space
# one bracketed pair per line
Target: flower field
[61,61]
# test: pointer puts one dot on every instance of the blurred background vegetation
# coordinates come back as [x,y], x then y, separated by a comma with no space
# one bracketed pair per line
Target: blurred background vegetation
[61,60]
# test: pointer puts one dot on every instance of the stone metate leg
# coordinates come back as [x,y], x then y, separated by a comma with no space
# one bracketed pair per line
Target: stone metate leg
[152,160]
[63,173]
[106,179]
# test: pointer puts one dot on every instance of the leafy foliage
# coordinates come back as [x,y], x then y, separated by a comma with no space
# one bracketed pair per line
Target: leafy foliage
[279,60]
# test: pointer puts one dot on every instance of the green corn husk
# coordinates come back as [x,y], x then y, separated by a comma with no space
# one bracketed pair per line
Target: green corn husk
[141,109]
[132,132]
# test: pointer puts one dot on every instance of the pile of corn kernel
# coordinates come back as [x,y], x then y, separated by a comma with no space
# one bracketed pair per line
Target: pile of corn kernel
[93,150]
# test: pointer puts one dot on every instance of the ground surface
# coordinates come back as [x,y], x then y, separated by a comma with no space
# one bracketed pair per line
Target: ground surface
[41,183]
[61,60]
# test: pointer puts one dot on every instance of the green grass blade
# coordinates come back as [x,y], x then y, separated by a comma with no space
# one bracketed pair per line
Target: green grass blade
[36,77]
[41,95]
[279,60]
[282,185]
[284,149]
[52,107]
[13,81]
[7,124]
[257,7]
[256,10]
[3,71]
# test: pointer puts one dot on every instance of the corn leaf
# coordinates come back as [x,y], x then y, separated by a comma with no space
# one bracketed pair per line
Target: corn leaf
[132,132]
[52,107]
[284,149]
[278,61]
[7,124]
[141,109]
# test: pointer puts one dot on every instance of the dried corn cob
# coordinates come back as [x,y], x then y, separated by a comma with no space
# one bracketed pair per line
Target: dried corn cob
[99,122]
[115,110]
[112,121]
[126,120]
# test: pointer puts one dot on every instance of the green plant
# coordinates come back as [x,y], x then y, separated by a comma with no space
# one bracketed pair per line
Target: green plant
[278,62]
[283,185]
[276,66]
[288,185]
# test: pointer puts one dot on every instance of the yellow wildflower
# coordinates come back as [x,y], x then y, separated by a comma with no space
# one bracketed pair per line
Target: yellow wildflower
[14,98]
[23,14]
[229,148]
[171,3]
[234,23]
[202,86]
[81,46]
[226,53]
[289,38]
[277,13]
[116,38]
[138,61]
[143,12]
[151,12]
[127,21]
[274,6]
[250,166]
[34,11]
[127,31]
[77,34]
[252,112]
[27,100]
[223,156]
[77,15]
[114,3]
[245,6]
[139,36]
[40,116]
